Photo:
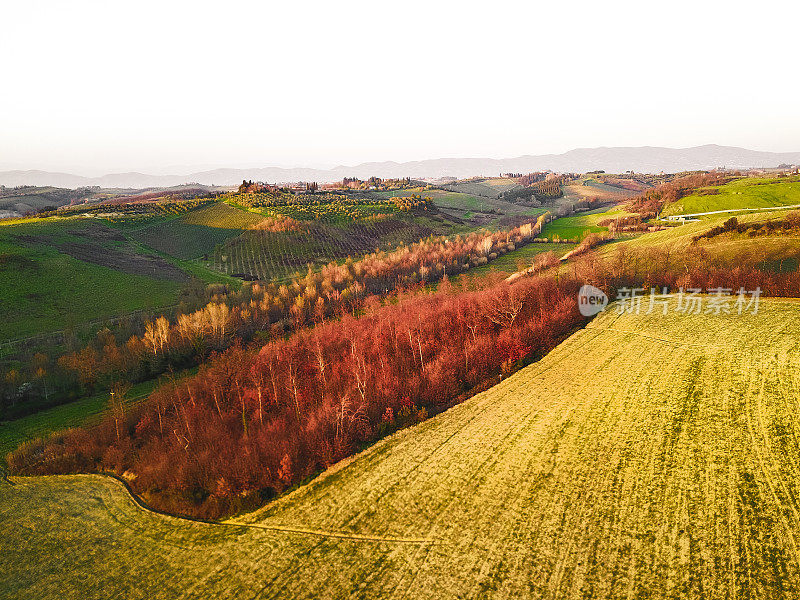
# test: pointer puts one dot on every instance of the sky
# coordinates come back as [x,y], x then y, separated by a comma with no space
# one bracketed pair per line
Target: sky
[165,87]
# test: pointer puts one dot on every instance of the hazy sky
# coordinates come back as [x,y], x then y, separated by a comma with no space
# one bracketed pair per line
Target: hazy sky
[158,86]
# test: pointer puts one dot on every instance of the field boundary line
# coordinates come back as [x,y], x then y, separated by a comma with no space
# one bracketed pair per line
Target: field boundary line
[278,528]
[143,506]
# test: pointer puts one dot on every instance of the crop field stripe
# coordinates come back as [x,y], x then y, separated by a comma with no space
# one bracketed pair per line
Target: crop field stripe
[329,534]
[760,443]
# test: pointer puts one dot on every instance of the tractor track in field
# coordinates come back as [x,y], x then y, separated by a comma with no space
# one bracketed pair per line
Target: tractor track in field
[330,534]
[759,437]
[650,337]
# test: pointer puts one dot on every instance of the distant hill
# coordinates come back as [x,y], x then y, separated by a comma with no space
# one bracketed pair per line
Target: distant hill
[645,159]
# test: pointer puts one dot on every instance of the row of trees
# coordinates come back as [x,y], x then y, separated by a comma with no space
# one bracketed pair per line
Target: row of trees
[413,202]
[790,223]
[354,183]
[625,224]
[548,189]
[531,178]
[542,189]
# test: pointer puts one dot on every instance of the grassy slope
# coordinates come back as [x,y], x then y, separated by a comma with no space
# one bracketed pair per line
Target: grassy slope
[197,232]
[743,193]
[577,226]
[518,259]
[571,228]
[749,250]
[58,289]
[647,457]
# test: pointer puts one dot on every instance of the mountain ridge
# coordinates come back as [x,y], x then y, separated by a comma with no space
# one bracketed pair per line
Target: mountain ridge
[648,159]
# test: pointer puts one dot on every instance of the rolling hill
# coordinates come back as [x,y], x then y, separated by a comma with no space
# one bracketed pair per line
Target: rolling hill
[739,195]
[647,456]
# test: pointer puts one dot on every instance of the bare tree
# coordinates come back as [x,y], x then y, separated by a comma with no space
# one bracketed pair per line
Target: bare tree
[119,390]
[506,308]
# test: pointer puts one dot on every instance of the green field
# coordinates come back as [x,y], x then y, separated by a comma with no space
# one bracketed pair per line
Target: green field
[74,414]
[647,456]
[518,259]
[198,232]
[742,193]
[579,225]
[69,271]
[573,228]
